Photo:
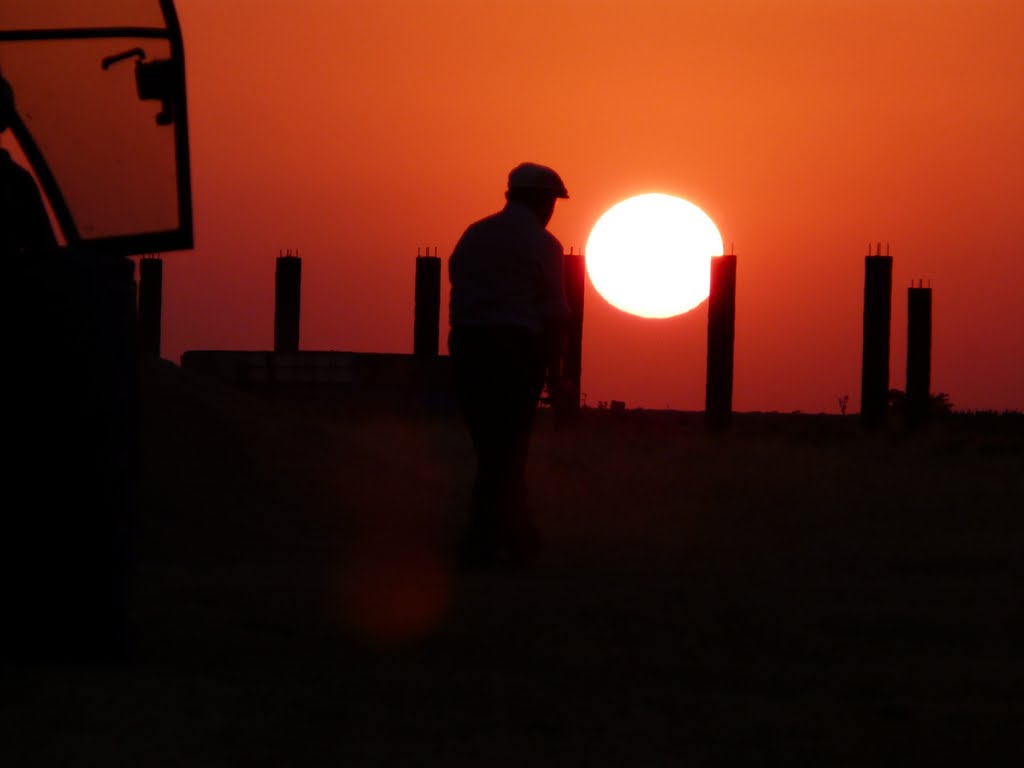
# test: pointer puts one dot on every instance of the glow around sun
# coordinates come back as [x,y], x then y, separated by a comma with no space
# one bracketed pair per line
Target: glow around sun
[650,255]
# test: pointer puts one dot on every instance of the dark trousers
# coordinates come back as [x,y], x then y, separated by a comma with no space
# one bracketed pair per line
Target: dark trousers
[499,374]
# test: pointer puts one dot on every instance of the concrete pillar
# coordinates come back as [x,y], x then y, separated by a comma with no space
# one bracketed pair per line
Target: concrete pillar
[874,388]
[574,279]
[919,355]
[151,281]
[287,303]
[427,312]
[721,336]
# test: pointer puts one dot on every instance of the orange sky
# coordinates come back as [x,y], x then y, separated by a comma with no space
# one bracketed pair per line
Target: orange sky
[357,131]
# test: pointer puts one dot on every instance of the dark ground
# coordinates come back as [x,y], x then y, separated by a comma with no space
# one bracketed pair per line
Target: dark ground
[794,592]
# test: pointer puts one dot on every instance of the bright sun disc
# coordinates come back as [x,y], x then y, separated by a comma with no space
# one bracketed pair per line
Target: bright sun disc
[650,255]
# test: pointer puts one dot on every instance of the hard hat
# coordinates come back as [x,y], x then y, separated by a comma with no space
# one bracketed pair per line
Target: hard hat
[533,176]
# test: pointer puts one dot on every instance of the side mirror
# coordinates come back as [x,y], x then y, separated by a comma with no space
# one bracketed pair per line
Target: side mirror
[154,80]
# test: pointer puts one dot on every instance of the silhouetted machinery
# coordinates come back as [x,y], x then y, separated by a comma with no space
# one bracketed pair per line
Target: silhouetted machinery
[153,80]
[117,183]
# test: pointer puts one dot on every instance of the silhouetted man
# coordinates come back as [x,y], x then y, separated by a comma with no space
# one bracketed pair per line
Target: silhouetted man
[507,310]
[24,225]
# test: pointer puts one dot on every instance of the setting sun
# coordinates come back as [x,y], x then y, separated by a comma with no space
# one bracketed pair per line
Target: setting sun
[650,255]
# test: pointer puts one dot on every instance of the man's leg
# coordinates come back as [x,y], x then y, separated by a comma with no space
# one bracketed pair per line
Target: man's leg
[473,357]
[499,375]
[484,527]
[520,537]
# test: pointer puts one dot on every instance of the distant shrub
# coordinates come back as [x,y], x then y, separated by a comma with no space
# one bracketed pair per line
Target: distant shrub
[938,403]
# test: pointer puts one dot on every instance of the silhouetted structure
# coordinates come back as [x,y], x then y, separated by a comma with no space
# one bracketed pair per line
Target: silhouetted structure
[874,388]
[427,310]
[721,334]
[65,553]
[67,546]
[574,279]
[360,380]
[151,282]
[287,305]
[919,355]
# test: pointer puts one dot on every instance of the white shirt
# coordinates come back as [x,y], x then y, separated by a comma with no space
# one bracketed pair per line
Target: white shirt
[506,270]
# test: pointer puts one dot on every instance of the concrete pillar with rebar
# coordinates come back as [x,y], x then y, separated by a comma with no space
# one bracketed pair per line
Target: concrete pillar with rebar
[427,307]
[151,281]
[919,355]
[874,388]
[287,304]
[574,279]
[721,337]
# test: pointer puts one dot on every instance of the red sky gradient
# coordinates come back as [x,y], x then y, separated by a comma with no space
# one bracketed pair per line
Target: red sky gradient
[358,131]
